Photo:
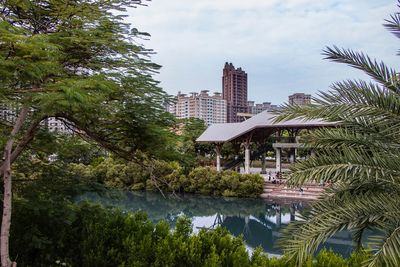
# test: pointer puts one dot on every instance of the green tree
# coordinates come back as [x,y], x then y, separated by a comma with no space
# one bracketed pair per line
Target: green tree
[361,158]
[190,129]
[79,62]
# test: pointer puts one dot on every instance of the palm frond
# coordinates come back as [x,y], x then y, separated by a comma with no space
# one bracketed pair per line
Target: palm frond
[332,215]
[361,156]
[393,24]
[346,164]
[351,137]
[377,71]
[387,244]
[348,100]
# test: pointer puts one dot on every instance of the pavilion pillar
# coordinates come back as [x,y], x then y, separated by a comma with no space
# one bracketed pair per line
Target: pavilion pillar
[278,217]
[247,158]
[292,157]
[278,159]
[263,164]
[292,214]
[218,152]
[312,153]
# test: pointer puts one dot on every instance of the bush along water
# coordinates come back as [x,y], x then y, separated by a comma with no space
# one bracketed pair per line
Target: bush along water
[48,233]
[170,176]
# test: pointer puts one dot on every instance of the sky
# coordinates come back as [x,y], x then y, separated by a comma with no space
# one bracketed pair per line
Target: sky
[277,42]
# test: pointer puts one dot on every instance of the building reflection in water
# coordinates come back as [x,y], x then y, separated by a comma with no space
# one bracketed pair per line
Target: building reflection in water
[258,221]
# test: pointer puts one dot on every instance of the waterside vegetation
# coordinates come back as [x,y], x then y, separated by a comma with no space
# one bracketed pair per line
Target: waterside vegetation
[161,176]
[49,233]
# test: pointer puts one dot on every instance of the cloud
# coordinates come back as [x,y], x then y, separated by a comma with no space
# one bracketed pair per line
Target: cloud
[278,42]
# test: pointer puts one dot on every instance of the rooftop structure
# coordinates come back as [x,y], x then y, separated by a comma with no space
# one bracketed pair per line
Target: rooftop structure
[258,129]
[259,125]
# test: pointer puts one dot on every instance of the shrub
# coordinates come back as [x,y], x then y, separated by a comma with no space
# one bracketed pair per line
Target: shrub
[200,180]
[251,185]
[169,176]
[48,233]
[227,183]
[87,235]
[120,174]
[327,258]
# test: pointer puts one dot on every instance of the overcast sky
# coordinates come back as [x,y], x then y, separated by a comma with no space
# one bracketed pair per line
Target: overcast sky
[277,42]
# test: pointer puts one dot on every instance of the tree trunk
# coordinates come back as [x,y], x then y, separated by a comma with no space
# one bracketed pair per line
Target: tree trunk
[7,197]
[23,143]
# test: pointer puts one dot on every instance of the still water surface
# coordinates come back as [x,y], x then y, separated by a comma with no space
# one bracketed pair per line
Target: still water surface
[259,221]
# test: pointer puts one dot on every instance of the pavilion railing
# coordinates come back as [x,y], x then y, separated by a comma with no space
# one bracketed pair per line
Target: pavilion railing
[285,139]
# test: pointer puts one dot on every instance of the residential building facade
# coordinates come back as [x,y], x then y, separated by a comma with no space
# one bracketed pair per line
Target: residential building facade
[234,91]
[8,114]
[55,125]
[210,108]
[258,108]
[300,99]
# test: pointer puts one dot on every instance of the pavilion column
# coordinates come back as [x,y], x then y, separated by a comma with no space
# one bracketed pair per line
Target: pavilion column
[263,162]
[292,214]
[312,153]
[247,157]
[292,158]
[278,159]
[278,217]
[218,152]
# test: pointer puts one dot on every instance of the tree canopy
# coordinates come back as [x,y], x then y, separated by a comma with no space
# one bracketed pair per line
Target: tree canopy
[79,62]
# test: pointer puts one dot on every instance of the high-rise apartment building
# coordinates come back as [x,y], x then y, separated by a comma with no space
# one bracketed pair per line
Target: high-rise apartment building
[55,125]
[9,113]
[234,91]
[210,108]
[299,99]
[258,108]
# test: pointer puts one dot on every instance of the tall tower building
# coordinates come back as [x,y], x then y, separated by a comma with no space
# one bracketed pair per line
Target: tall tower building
[234,91]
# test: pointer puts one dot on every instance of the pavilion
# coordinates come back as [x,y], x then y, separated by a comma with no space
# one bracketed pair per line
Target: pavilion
[258,129]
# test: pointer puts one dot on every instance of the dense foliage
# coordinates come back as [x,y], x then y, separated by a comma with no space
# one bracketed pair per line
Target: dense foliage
[78,62]
[53,233]
[48,230]
[169,176]
[192,152]
[361,157]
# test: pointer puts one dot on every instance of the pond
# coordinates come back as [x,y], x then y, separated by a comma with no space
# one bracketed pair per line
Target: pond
[259,221]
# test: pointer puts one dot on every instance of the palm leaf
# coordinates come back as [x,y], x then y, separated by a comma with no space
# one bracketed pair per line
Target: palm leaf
[361,156]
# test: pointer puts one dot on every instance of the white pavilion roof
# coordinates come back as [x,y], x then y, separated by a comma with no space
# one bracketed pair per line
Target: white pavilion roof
[225,132]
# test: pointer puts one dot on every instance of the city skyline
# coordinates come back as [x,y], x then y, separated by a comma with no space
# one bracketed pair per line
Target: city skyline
[278,43]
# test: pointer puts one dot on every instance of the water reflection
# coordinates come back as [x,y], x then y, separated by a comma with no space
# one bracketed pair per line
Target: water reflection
[258,221]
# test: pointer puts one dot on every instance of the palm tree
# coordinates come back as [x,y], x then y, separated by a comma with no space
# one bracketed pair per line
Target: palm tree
[361,157]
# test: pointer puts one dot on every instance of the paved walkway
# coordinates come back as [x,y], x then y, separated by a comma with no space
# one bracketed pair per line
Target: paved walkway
[271,171]
[307,192]
[274,188]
